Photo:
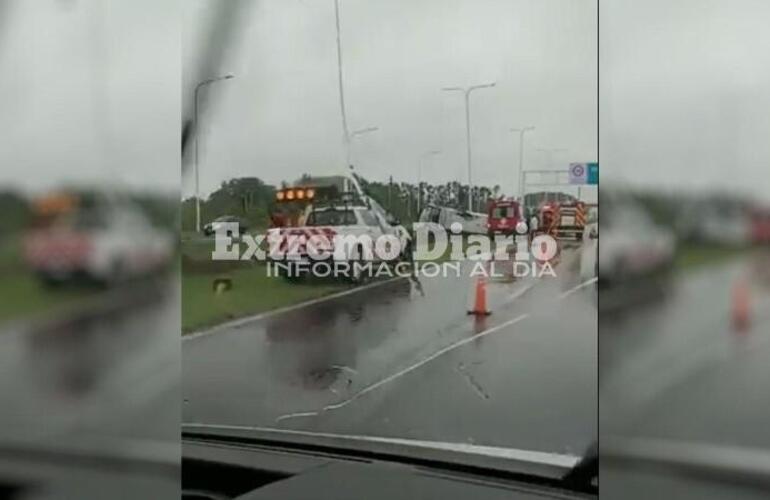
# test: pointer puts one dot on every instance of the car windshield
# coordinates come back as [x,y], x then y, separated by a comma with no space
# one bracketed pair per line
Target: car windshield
[331,217]
[504,212]
[389,335]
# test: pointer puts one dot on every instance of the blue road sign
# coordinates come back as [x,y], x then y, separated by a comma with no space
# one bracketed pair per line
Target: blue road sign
[593,173]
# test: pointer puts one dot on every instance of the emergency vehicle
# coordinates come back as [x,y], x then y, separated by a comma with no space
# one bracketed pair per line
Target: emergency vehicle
[504,216]
[565,220]
[306,211]
[105,241]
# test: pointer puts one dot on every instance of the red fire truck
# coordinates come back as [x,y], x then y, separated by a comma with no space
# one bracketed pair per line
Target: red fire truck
[565,220]
[503,216]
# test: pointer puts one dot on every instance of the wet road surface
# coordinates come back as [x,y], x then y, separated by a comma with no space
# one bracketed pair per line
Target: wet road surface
[402,360]
[110,370]
[665,361]
[675,370]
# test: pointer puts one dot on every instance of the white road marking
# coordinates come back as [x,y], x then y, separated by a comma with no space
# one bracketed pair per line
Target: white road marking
[578,287]
[515,295]
[433,356]
[408,369]
[248,319]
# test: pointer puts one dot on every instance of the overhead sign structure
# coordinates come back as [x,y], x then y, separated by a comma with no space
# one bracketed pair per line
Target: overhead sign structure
[578,173]
[584,173]
[593,173]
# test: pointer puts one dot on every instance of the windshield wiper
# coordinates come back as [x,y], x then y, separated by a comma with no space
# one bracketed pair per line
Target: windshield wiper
[547,469]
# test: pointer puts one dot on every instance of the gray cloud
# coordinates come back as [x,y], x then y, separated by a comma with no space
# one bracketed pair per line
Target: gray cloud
[684,94]
[90,93]
[280,117]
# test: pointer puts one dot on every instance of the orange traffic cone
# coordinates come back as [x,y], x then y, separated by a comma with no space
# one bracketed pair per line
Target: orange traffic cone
[480,301]
[741,306]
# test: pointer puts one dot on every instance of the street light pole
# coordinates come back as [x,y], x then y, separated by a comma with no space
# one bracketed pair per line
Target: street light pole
[467,92]
[197,134]
[521,132]
[419,177]
[345,132]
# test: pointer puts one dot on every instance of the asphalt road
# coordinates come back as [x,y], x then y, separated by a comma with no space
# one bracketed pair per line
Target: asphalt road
[674,369]
[677,355]
[403,359]
[107,370]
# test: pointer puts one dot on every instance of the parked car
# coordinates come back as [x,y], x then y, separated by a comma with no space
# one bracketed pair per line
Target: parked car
[212,227]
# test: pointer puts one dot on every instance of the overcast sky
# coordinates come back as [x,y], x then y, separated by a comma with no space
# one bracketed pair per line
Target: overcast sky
[90,93]
[90,90]
[685,94]
[279,117]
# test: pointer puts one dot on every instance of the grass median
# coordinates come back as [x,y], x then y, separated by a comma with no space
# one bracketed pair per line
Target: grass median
[25,296]
[252,291]
[694,256]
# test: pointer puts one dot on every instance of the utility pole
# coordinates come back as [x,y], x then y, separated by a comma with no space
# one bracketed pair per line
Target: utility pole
[345,132]
[197,129]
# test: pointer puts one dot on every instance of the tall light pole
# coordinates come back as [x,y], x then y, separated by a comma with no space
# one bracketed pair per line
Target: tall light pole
[345,132]
[419,176]
[197,134]
[521,132]
[467,92]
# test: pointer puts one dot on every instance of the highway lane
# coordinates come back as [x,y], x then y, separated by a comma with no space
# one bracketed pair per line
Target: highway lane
[405,360]
[110,369]
[675,370]
[664,362]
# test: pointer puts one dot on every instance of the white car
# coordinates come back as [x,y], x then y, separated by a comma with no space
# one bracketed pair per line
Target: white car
[219,223]
[632,245]
[107,245]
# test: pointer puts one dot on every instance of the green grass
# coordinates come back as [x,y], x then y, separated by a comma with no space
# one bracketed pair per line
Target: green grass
[24,296]
[694,256]
[252,292]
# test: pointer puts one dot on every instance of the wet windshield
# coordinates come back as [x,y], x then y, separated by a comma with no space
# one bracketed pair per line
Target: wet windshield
[684,283]
[411,347]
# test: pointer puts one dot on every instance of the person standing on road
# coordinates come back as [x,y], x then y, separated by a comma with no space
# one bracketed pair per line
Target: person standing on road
[533,222]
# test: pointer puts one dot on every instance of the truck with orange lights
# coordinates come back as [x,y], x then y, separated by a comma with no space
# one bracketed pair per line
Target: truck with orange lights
[325,218]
